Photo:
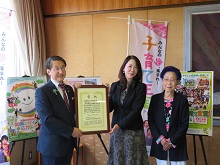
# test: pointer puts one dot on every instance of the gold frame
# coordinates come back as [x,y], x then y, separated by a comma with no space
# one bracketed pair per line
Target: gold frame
[92,109]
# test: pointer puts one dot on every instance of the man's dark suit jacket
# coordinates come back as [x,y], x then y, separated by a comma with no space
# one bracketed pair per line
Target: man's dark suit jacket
[57,122]
[128,114]
[179,123]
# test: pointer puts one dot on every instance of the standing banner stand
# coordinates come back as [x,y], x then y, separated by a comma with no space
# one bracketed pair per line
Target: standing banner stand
[148,43]
[78,147]
[77,151]
[23,147]
[22,156]
[203,148]
[198,87]
[103,144]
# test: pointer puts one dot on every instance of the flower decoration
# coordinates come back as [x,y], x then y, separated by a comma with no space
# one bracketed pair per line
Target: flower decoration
[55,91]
[168,104]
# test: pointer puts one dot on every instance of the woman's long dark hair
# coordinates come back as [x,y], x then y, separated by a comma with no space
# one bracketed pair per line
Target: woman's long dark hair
[121,74]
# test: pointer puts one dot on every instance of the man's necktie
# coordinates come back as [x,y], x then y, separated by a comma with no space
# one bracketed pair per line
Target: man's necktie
[62,86]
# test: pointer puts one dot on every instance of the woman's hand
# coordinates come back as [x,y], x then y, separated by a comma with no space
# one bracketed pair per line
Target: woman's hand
[166,145]
[166,148]
[114,129]
[106,84]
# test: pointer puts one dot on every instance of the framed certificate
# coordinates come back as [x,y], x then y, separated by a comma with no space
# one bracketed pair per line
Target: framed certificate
[92,109]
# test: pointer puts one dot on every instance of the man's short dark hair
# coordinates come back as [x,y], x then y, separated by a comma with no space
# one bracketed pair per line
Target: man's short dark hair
[54,58]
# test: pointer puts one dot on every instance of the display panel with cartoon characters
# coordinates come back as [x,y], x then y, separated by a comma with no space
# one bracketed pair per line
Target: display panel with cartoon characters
[22,118]
[198,87]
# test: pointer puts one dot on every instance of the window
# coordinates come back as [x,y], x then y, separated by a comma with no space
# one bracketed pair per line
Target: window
[202,45]
[10,65]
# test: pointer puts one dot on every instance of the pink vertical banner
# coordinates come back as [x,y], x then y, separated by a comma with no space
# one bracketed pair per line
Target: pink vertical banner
[5,17]
[148,43]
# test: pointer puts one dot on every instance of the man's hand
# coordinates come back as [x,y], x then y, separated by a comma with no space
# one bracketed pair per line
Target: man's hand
[77,85]
[77,132]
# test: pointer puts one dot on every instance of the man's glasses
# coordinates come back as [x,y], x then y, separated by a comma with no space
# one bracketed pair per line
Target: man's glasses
[56,69]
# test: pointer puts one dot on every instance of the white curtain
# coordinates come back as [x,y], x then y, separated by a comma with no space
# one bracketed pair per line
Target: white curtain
[30,36]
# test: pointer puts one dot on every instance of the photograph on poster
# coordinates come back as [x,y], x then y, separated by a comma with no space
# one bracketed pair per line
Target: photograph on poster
[83,80]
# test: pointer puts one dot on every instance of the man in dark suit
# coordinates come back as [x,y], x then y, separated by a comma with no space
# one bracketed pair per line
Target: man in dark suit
[55,107]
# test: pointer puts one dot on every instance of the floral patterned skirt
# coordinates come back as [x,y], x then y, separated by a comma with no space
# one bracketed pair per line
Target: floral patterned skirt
[128,147]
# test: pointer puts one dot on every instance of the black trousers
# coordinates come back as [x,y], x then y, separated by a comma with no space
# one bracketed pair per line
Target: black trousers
[65,160]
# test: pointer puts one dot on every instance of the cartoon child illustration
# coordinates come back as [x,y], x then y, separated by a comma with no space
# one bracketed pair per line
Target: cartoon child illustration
[35,84]
[148,137]
[11,100]
[2,156]
[38,124]
[5,147]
